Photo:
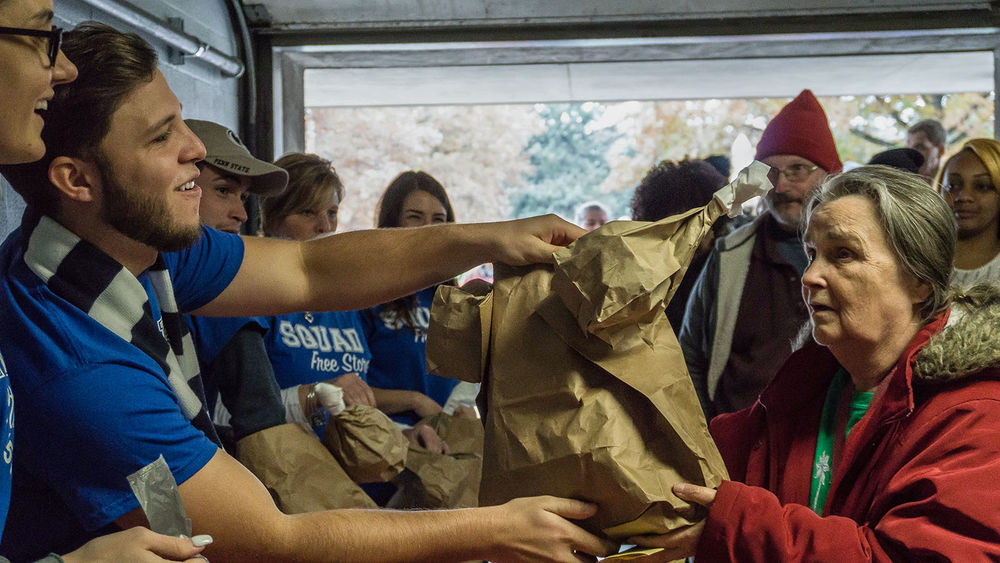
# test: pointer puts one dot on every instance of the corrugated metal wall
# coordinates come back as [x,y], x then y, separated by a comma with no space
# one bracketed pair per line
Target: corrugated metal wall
[205,93]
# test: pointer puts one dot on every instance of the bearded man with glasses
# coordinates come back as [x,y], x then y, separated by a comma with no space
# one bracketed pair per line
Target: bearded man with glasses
[746,307]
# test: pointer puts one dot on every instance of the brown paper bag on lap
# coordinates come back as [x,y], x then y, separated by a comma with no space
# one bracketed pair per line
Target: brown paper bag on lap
[299,472]
[451,480]
[438,481]
[588,393]
[366,442]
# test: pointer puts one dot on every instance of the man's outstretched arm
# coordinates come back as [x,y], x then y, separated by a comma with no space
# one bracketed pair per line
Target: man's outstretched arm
[364,268]
[246,526]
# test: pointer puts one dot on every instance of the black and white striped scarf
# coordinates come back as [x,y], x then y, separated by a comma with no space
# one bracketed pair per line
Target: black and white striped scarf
[82,274]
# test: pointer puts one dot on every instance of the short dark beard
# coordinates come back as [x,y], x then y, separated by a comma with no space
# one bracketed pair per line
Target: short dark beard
[775,199]
[778,199]
[141,218]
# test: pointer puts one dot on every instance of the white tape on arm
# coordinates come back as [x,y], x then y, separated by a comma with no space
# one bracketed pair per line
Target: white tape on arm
[330,398]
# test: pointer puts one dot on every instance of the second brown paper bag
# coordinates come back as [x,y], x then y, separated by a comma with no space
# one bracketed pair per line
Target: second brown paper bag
[451,480]
[366,443]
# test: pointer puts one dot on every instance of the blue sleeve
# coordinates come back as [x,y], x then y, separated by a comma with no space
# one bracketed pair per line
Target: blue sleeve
[200,273]
[83,433]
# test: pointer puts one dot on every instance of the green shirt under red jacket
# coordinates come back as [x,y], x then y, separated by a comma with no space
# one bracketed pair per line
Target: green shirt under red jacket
[916,480]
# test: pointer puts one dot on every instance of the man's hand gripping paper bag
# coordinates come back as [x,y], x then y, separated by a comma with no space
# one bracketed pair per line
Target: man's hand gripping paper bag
[587,392]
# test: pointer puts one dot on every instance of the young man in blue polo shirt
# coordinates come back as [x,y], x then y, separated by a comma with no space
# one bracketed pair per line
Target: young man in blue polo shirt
[109,255]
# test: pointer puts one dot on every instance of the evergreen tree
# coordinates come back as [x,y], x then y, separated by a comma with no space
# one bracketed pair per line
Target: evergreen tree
[569,160]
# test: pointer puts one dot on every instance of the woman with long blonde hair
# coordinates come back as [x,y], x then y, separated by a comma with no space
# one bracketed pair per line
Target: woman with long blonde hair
[969,183]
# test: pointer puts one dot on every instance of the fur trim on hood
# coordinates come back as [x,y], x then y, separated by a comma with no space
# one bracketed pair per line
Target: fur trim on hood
[969,343]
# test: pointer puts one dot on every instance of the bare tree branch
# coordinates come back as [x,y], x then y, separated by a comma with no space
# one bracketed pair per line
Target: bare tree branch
[871,138]
[898,119]
[938,100]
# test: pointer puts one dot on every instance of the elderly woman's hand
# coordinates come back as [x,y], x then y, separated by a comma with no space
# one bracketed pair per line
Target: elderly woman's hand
[694,493]
[682,543]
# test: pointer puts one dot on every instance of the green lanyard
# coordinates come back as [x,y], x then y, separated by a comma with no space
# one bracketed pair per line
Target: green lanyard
[823,462]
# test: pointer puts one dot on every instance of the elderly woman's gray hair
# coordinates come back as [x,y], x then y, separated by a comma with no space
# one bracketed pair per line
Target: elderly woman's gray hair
[917,223]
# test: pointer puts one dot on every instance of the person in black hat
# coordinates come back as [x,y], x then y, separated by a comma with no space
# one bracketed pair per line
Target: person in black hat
[229,173]
[907,160]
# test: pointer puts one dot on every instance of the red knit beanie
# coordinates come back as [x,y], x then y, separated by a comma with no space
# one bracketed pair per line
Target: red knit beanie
[801,129]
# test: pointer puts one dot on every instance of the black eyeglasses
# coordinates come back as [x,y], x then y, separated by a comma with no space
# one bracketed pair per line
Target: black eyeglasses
[53,36]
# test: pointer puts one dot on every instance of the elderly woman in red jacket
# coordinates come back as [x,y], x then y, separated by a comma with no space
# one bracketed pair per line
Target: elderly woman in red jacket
[878,440]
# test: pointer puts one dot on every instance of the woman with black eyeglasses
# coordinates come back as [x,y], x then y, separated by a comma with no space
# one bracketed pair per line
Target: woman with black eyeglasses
[31,65]
[968,182]
[29,68]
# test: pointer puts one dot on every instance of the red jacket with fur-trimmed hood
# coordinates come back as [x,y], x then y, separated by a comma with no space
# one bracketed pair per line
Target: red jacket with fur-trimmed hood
[918,479]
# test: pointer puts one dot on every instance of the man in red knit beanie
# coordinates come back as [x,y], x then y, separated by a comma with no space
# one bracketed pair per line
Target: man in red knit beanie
[746,307]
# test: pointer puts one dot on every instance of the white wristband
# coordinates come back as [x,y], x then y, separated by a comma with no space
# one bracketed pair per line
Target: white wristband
[293,409]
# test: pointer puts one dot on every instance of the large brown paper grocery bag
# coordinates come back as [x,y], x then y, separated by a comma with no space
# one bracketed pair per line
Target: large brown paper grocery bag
[587,392]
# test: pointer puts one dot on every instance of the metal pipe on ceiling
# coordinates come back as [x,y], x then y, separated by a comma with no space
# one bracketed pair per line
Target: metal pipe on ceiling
[247,107]
[183,42]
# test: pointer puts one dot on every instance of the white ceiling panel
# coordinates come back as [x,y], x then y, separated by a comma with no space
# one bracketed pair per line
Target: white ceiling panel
[654,80]
[396,13]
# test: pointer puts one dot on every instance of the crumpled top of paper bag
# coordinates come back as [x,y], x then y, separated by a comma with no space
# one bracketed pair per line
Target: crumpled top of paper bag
[299,472]
[366,442]
[618,279]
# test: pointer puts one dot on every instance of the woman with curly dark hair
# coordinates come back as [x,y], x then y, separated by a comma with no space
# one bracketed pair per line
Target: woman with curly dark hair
[670,188]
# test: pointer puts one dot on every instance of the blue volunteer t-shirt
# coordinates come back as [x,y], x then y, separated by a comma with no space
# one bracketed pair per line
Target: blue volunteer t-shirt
[92,408]
[311,347]
[399,350]
[307,348]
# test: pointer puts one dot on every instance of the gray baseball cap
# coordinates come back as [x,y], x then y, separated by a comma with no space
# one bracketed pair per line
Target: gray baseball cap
[227,152]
